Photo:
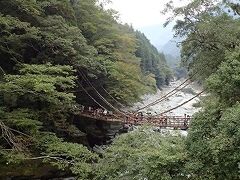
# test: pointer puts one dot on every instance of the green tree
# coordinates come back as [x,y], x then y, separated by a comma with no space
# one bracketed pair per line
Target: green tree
[47,47]
[152,61]
[211,49]
[144,154]
[34,103]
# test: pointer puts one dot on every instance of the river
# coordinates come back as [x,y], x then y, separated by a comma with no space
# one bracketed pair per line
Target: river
[172,101]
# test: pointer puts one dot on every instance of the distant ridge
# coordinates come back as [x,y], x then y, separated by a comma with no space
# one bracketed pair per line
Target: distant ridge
[171,48]
[171,52]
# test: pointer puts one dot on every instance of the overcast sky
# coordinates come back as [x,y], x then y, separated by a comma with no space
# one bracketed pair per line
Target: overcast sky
[145,16]
[140,13]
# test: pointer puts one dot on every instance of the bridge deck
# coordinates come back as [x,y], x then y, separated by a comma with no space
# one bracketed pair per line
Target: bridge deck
[176,122]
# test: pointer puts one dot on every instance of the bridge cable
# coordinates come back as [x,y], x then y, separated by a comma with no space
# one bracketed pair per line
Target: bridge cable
[177,90]
[168,94]
[109,104]
[112,97]
[101,97]
[91,96]
[163,97]
[86,80]
[181,104]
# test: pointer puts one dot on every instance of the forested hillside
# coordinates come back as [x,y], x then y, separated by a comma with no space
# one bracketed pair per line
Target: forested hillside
[49,52]
[56,55]
[152,61]
[211,51]
[211,150]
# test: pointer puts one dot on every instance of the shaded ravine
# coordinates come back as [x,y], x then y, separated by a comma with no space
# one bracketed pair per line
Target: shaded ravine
[98,133]
[102,133]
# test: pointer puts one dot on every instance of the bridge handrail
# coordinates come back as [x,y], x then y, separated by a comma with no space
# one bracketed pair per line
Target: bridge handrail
[161,121]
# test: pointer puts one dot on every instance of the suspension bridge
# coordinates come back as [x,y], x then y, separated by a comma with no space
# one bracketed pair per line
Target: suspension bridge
[137,117]
[175,122]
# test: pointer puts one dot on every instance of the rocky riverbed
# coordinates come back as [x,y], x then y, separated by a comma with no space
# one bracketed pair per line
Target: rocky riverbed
[172,101]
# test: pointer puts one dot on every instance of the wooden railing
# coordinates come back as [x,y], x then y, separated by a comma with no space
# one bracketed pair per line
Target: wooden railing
[176,122]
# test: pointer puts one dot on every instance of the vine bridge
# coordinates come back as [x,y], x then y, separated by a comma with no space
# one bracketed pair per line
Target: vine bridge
[175,122]
[137,117]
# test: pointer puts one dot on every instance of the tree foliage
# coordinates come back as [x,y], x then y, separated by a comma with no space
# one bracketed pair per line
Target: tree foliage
[47,47]
[152,62]
[211,49]
[144,154]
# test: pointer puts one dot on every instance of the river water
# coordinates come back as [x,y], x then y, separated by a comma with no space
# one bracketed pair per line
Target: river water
[173,101]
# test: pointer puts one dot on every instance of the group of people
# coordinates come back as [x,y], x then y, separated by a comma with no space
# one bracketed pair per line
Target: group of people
[95,111]
[136,118]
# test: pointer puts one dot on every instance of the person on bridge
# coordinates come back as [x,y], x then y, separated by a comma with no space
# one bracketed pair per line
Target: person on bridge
[149,116]
[97,111]
[165,121]
[127,119]
[140,114]
[110,113]
[135,119]
[90,109]
[100,111]
[82,108]
[105,112]
[186,119]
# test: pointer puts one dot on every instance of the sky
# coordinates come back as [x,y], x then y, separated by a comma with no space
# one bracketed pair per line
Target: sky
[140,13]
[145,15]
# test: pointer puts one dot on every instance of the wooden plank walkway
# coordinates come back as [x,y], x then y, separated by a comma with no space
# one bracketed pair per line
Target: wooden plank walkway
[175,122]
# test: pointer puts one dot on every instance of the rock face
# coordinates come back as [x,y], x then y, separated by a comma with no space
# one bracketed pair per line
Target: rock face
[32,170]
[95,133]
[98,132]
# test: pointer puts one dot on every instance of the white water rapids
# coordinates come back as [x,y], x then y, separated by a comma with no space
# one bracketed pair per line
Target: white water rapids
[171,102]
